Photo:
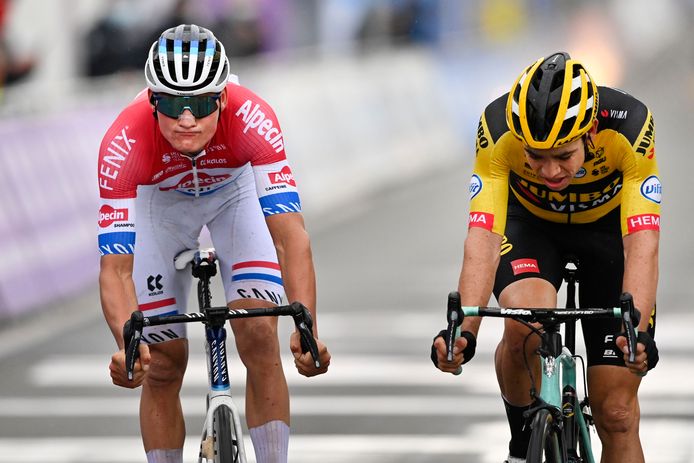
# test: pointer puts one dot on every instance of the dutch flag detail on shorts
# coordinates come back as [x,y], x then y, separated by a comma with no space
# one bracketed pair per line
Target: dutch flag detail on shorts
[160,307]
[257,270]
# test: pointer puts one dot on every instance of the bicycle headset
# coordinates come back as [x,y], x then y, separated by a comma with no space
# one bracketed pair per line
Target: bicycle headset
[553,102]
[187,60]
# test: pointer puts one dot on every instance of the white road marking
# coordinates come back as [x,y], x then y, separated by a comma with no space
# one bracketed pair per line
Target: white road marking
[480,441]
[668,378]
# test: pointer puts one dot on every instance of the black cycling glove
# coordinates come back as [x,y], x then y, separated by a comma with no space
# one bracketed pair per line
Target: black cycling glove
[651,349]
[468,352]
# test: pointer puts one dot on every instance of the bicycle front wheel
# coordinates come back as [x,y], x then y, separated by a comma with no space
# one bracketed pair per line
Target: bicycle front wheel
[226,442]
[545,440]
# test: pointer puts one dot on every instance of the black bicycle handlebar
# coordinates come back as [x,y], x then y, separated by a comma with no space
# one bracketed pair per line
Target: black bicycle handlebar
[132,330]
[456,313]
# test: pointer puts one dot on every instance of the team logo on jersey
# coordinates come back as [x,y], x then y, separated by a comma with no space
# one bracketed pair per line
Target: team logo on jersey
[475,185]
[206,183]
[114,157]
[256,119]
[645,144]
[108,215]
[481,219]
[652,189]
[524,266]
[614,113]
[576,198]
[643,222]
[482,141]
[581,173]
[283,176]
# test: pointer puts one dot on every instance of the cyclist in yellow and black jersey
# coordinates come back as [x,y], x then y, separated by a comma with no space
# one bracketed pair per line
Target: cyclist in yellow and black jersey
[564,167]
[619,171]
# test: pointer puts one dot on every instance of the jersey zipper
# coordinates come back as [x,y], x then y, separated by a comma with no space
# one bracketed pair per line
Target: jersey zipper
[196,180]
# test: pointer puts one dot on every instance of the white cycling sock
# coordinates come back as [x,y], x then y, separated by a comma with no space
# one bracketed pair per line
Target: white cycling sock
[165,456]
[270,442]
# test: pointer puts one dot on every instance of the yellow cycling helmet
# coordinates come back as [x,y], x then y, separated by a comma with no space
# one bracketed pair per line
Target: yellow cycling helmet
[553,102]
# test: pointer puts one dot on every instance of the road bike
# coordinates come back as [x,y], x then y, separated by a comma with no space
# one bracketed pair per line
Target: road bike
[222,439]
[559,421]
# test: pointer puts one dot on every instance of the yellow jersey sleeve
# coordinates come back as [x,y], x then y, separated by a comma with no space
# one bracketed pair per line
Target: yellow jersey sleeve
[489,182]
[641,191]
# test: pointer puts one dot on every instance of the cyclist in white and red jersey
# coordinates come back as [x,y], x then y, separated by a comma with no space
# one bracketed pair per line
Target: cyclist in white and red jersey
[195,149]
[564,167]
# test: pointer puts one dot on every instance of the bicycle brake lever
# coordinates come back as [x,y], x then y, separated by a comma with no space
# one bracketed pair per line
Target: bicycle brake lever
[304,323]
[454,315]
[631,318]
[132,334]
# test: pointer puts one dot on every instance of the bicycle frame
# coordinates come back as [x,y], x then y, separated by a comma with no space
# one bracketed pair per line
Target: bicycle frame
[558,388]
[558,393]
[214,318]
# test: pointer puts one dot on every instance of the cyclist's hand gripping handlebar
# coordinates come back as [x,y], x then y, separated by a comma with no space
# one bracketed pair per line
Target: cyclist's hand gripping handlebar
[304,324]
[132,334]
[631,318]
[454,315]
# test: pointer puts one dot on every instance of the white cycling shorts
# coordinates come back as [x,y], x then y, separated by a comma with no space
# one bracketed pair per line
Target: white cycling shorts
[170,222]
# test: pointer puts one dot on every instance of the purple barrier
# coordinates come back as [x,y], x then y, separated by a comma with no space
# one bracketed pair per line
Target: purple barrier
[48,207]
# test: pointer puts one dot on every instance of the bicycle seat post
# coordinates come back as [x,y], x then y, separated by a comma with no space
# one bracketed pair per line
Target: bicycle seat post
[204,267]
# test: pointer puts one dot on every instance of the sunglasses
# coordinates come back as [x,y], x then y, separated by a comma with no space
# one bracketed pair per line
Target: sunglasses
[173,106]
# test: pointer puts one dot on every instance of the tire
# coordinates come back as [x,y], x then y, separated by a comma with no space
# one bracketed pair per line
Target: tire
[545,440]
[225,437]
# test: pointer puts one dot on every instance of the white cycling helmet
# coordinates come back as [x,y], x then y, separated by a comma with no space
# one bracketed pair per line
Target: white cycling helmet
[187,60]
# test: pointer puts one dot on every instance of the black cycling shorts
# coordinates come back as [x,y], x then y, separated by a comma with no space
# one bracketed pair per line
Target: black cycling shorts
[536,248]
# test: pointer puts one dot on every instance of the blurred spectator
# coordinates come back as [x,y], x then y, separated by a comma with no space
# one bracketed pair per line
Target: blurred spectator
[369,24]
[120,39]
[12,68]
[115,43]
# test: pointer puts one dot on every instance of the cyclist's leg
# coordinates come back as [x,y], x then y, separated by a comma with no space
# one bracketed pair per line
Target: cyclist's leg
[509,360]
[613,397]
[252,278]
[529,274]
[612,389]
[161,289]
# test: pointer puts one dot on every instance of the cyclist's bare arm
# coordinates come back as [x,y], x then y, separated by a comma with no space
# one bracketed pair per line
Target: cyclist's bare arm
[641,271]
[296,261]
[476,281]
[295,258]
[641,280]
[118,301]
[117,289]
[475,285]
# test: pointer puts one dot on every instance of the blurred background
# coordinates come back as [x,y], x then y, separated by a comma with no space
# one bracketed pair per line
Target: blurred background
[379,102]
